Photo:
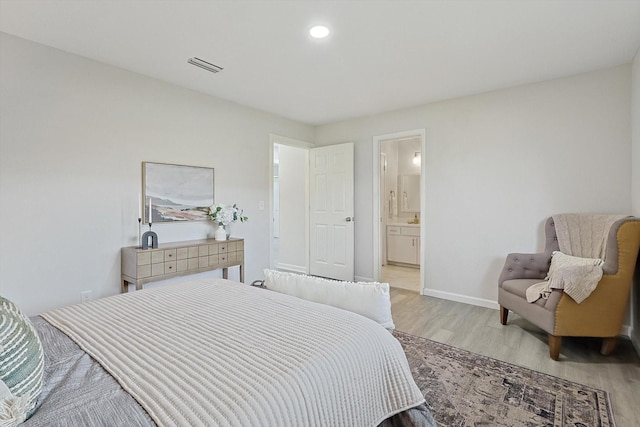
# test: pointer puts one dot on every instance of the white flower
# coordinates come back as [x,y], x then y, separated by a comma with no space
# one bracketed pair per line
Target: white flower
[225,215]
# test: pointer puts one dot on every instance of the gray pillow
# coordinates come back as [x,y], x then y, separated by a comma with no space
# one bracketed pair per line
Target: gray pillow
[21,365]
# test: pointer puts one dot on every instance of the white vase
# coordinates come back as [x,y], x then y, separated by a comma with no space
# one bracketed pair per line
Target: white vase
[221,233]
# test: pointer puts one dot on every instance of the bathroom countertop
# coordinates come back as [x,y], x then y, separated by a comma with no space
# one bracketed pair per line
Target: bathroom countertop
[397,222]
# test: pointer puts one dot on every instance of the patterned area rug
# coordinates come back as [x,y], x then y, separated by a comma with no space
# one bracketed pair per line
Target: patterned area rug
[466,389]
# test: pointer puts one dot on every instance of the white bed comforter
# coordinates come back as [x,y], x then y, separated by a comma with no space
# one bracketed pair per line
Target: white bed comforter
[215,352]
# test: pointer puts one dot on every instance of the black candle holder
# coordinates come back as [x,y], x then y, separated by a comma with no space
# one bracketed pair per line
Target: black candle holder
[149,235]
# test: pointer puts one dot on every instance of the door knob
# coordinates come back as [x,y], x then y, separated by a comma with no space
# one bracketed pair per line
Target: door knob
[349,219]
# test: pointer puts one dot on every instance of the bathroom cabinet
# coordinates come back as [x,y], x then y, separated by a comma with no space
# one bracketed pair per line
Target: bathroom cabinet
[403,244]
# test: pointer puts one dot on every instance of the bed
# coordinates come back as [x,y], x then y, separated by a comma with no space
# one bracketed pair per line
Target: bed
[216,352]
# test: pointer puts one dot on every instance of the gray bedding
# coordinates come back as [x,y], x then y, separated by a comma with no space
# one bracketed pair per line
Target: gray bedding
[78,392]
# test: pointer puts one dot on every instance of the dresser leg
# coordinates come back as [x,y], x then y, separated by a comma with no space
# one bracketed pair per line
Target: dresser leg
[242,273]
[125,287]
[225,273]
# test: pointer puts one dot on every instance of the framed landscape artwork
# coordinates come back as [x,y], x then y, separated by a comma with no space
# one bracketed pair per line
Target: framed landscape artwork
[175,192]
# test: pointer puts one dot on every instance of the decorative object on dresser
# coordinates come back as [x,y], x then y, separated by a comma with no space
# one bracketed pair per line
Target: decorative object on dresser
[224,216]
[176,192]
[149,235]
[140,266]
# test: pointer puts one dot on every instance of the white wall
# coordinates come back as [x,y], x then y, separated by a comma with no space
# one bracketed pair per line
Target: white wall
[498,164]
[73,134]
[293,215]
[635,186]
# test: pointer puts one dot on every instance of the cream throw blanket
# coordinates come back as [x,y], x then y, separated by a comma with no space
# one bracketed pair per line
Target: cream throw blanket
[215,352]
[583,236]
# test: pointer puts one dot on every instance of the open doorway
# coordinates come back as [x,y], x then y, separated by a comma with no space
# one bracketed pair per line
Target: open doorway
[289,246]
[399,209]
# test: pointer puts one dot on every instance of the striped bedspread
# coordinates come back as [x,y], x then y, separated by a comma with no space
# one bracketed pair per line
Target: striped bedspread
[215,352]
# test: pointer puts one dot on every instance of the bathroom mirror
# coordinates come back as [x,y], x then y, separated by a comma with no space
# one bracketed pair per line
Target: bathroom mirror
[409,193]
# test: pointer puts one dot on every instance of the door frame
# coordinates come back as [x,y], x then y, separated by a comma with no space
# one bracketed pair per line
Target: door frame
[377,219]
[284,140]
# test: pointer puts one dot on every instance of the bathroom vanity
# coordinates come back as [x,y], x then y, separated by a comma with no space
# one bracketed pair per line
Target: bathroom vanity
[403,244]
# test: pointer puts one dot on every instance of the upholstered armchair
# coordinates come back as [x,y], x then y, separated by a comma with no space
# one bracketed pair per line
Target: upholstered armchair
[601,314]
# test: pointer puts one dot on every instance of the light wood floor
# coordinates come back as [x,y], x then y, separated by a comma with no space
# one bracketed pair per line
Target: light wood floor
[478,329]
[401,277]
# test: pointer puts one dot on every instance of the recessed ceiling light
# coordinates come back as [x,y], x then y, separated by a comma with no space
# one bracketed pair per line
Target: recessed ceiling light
[319,32]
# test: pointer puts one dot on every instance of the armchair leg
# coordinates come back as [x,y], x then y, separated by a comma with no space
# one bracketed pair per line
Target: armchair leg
[554,346]
[608,345]
[504,314]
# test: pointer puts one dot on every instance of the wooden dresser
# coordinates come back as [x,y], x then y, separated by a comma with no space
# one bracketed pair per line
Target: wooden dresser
[140,266]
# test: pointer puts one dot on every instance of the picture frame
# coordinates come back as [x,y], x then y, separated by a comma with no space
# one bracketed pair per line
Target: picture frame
[176,193]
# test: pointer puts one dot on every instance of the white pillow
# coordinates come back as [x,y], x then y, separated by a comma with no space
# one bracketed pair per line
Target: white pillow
[369,299]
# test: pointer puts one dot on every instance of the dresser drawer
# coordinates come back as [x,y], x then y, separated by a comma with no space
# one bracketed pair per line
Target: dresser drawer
[170,255]
[192,264]
[223,258]
[203,250]
[182,265]
[240,245]
[157,269]
[223,247]
[231,247]
[193,252]
[170,267]
[182,253]
[143,258]
[213,249]
[231,256]
[213,260]
[203,261]
[157,257]
[144,271]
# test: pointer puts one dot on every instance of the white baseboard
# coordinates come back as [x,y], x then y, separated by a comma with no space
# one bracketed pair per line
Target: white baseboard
[291,268]
[461,298]
[626,330]
[363,279]
[635,339]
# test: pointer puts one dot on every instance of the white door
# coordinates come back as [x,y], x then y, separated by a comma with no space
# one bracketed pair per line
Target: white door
[331,211]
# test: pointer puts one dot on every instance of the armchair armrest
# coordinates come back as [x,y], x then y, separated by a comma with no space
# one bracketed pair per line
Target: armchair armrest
[525,266]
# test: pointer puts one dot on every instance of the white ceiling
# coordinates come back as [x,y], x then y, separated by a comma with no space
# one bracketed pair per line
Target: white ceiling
[380,56]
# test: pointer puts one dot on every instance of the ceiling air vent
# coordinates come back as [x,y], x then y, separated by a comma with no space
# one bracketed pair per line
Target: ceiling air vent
[204,64]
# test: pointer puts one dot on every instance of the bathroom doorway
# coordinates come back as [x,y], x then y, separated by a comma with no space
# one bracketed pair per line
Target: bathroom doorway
[399,207]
